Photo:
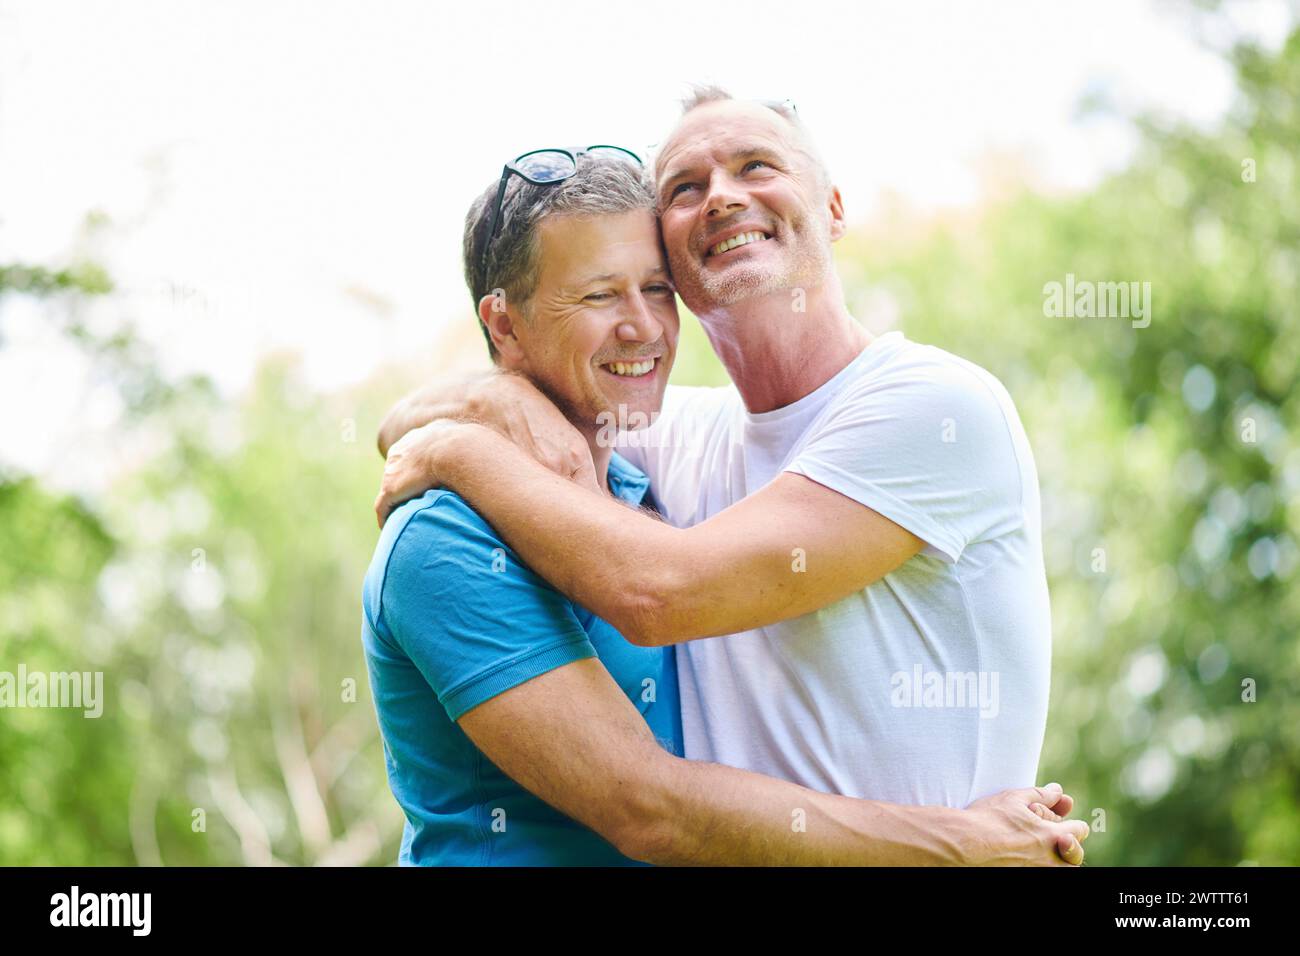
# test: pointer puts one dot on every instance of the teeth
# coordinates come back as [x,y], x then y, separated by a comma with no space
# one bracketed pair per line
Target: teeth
[740,240]
[631,368]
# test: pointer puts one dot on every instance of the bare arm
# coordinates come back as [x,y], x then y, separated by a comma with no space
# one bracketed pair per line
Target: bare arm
[789,549]
[573,739]
[440,400]
[506,402]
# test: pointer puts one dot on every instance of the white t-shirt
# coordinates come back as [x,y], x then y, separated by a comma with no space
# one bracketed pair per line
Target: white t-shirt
[928,687]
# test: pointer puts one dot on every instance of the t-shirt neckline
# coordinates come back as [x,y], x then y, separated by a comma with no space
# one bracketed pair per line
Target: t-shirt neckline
[828,387]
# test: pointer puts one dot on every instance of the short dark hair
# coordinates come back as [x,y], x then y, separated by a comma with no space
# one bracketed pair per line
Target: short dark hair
[602,185]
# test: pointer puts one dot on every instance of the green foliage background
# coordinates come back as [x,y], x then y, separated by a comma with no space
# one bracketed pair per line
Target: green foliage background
[218,586]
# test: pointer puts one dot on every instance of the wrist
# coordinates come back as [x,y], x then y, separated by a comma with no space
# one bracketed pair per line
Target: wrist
[964,835]
[919,835]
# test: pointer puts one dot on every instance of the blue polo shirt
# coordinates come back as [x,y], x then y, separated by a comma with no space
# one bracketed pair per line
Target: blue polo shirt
[452,618]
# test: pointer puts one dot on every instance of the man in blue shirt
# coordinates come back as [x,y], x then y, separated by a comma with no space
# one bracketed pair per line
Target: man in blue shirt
[450,609]
[520,729]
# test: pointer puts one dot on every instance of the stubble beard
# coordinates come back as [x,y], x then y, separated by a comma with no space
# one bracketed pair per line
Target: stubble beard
[805,267]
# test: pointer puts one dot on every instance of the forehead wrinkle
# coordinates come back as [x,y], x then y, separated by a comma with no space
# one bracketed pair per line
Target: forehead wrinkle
[782,133]
[745,151]
[730,115]
[753,145]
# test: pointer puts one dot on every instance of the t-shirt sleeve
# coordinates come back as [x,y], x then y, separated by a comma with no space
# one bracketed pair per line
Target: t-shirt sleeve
[930,450]
[472,617]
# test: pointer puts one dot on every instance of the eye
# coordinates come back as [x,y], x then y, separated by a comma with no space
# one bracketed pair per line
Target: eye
[659,288]
[754,162]
[598,297]
[679,188]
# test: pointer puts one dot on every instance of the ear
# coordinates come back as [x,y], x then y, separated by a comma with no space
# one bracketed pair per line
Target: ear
[500,319]
[836,206]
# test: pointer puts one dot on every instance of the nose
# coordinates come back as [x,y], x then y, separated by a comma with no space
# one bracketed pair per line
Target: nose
[639,324]
[724,197]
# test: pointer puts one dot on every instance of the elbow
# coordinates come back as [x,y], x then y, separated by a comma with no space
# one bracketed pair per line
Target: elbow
[649,832]
[645,841]
[651,589]
[646,612]
[386,436]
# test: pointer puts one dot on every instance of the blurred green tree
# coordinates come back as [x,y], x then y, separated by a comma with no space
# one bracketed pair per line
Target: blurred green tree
[217,588]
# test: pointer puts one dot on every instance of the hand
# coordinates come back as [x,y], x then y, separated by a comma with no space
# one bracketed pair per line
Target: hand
[1026,828]
[511,405]
[419,461]
[411,467]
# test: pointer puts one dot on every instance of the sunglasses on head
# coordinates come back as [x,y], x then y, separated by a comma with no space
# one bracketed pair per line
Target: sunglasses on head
[543,167]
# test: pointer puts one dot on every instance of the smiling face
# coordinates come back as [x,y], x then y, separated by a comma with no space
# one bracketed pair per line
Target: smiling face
[743,207]
[600,330]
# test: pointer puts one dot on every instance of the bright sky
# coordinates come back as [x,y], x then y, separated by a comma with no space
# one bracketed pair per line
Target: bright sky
[295,175]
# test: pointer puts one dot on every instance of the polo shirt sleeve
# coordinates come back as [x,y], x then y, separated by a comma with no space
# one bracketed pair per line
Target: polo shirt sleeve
[470,615]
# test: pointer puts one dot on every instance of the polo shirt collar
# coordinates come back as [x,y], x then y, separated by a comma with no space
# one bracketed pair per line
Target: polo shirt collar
[626,481]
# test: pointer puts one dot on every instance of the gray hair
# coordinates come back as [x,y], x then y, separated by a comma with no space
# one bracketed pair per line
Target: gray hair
[701,95]
[602,186]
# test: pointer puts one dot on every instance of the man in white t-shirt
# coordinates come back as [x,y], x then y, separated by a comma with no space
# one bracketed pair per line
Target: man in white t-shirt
[832,699]
[858,516]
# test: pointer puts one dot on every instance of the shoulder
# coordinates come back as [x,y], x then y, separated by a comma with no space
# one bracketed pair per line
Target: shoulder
[926,439]
[920,413]
[925,384]
[438,520]
[430,543]
[460,606]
